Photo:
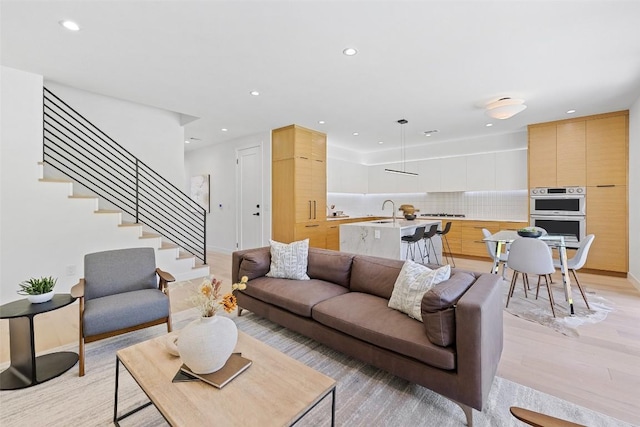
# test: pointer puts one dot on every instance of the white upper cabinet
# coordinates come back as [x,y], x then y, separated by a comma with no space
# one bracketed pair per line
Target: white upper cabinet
[511,170]
[481,172]
[453,173]
[429,179]
[381,181]
[346,177]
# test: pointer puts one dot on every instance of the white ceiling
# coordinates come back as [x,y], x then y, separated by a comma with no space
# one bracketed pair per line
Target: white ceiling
[433,63]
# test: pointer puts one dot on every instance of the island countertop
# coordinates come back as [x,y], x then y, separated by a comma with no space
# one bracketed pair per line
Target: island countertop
[383,237]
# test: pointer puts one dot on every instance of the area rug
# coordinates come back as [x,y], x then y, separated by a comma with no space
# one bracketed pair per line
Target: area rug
[365,395]
[539,310]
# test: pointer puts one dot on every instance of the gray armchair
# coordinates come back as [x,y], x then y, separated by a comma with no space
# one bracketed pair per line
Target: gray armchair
[122,291]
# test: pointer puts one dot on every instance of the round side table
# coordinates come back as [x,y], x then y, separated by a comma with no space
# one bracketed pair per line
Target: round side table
[26,369]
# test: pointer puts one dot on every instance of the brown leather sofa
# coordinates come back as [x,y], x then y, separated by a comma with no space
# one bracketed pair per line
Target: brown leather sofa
[455,350]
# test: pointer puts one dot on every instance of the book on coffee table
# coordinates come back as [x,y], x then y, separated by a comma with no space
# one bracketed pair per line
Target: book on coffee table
[234,366]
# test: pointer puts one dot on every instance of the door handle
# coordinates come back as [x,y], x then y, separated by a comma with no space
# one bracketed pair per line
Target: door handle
[314,209]
[257,214]
[309,209]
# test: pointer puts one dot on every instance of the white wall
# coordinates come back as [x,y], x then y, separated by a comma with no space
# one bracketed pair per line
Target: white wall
[43,232]
[634,192]
[153,135]
[220,162]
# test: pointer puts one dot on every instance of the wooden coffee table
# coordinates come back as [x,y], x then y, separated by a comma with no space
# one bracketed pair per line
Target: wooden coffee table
[275,390]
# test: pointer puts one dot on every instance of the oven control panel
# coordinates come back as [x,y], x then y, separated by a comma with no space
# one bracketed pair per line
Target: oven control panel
[545,191]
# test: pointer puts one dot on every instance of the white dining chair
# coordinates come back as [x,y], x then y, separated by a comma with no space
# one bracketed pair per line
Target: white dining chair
[578,261]
[491,249]
[530,256]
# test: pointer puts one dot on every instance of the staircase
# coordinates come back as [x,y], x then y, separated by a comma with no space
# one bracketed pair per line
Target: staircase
[126,203]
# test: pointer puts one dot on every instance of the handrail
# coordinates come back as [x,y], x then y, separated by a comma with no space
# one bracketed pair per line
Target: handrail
[79,149]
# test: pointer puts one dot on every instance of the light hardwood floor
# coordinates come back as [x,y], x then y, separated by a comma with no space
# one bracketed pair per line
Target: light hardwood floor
[600,369]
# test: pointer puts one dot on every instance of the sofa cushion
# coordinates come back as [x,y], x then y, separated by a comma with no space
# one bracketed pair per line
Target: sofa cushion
[255,264]
[438,312]
[412,283]
[373,275]
[368,318]
[295,296]
[289,260]
[330,266]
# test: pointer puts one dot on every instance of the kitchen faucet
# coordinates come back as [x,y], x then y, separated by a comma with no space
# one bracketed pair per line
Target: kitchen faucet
[393,205]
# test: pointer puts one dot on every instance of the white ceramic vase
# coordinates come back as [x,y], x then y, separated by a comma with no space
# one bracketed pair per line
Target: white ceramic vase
[40,298]
[206,343]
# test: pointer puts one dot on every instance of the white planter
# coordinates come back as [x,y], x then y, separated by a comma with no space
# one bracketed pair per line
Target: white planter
[206,343]
[37,299]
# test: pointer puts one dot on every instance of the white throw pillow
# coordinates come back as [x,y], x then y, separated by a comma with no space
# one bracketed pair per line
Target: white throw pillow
[289,261]
[412,283]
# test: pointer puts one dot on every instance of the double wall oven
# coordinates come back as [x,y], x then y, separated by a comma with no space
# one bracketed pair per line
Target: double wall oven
[560,211]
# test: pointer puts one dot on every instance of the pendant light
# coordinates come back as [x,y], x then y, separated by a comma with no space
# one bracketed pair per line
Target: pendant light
[402,122]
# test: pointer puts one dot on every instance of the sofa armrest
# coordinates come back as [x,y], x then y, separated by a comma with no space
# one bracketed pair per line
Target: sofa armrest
[479,336]
[236,261]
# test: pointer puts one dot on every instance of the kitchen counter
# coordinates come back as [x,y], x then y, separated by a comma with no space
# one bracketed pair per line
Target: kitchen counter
[451,218]
[382,237]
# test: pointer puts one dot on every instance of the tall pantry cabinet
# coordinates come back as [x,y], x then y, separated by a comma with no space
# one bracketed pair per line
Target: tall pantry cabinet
[299,185]
[591,152]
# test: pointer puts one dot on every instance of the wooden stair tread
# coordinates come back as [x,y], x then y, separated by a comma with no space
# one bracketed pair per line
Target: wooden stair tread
[80,196]
[167,245]
[147,235]
[129,224]
[66,181]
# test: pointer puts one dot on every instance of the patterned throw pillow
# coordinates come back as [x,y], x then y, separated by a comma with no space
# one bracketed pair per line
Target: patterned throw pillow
[289,261]
[412,283]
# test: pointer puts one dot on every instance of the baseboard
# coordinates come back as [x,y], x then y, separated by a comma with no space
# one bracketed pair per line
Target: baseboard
[634,281]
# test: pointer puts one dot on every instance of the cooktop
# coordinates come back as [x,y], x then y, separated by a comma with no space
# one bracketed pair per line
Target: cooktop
[448,215]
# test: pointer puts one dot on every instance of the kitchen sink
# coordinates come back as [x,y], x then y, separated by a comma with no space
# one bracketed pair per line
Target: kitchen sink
[381,222]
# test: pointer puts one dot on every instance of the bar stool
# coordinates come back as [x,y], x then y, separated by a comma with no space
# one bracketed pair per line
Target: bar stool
[443,237]
[429,243]
[411,242]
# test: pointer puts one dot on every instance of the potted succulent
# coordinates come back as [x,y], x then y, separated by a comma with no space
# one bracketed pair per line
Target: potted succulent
[38,290]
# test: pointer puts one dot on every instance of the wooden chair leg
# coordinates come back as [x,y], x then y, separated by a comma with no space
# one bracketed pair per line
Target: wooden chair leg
[584,296]
[525,284]
[513,285]
[538,287]
[553,310]
[81,355]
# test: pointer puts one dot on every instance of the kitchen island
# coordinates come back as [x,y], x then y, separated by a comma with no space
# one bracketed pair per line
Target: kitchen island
[382,238]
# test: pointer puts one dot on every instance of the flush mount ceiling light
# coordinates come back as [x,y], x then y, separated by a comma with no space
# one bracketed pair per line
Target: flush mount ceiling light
[505,108]
[70,25]
[402,122]
[350,51]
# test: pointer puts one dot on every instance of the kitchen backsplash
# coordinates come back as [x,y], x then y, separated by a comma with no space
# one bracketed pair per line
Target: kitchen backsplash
[491,205]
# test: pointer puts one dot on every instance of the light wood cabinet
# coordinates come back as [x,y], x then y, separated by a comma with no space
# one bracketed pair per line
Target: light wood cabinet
[542,156]
[333,235]
[557,154]
[571,154]
[472,243]
[607,219]
[593,152]
[607,151]
[299,185]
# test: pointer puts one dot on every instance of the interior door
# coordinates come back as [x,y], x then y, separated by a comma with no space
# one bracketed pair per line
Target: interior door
[250,204]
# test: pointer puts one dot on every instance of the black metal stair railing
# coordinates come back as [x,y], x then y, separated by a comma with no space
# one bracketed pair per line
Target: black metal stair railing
[78,149]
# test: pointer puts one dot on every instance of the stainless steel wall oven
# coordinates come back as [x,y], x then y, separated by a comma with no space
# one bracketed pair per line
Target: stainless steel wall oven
[560,211]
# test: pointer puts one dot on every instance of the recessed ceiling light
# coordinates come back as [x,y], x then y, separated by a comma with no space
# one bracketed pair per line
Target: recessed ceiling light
[254,93]
[571,111]
[430,132]
[380,142]
[224,129]
[321,122]
[187,142]
[70,25]
[350,51]
[489,125]
[356,134]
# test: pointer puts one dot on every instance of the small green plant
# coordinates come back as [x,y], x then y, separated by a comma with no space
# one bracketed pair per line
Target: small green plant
[35,286]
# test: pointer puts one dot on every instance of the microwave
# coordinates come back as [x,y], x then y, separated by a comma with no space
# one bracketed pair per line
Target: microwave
[565,201]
